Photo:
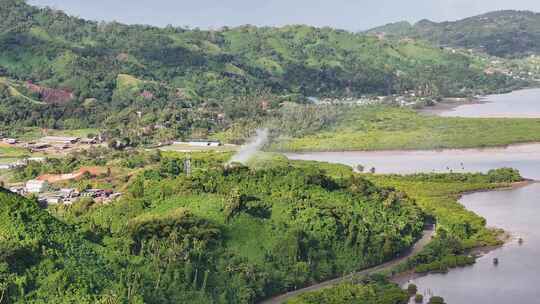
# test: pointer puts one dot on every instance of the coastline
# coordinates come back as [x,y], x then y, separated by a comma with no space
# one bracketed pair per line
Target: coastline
[450,103]
[504,237]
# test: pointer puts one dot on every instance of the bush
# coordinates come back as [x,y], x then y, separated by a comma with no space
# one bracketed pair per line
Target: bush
[418,298]
[412,289]
[504,175]
[436,300]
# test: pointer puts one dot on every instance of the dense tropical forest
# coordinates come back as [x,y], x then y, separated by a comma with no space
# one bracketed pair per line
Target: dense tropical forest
[221,235]
[62,72]
[233,234]
[503,33]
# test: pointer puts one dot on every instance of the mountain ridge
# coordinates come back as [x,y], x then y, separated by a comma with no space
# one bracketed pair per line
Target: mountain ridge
[504,33]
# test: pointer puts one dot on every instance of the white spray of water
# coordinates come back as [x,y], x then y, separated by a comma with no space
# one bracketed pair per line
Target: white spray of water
[248,150]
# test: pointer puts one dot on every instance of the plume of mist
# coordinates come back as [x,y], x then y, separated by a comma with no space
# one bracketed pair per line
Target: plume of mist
[248,150]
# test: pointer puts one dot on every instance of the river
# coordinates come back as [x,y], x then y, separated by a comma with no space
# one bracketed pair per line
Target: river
[515,279]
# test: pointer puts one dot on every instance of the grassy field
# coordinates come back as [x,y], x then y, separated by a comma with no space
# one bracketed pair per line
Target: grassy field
[30,134]
[386,128]
[8,152]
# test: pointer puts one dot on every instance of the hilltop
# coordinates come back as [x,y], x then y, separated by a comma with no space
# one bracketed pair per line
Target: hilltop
[502,33]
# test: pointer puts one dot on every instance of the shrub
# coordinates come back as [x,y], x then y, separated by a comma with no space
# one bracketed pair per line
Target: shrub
[436,300]
[412,289]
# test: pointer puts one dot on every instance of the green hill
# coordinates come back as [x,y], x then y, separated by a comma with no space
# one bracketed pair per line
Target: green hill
[188,75]
[44,260]
[222,235]
[502,33]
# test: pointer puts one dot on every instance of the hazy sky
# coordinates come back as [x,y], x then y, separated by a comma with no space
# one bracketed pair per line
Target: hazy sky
[345,14]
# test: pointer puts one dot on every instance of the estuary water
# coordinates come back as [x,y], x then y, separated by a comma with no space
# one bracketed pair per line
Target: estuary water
[522,103]
[516,278]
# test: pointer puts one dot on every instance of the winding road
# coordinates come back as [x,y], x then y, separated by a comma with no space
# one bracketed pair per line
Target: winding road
[418,246]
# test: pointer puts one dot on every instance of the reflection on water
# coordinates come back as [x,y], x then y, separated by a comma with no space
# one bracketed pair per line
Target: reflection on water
[523,103]
[526,158]
[515,279]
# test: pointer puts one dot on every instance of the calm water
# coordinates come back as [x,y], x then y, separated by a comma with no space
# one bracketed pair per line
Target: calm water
[516,279]
[526,158]
[524,103]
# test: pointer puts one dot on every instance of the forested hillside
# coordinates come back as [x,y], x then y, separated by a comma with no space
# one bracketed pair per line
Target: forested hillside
[502,33]
[64,72]
[222,235]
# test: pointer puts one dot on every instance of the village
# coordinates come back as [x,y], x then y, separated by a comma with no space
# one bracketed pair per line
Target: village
[60,189]
[43,187]
[47,194]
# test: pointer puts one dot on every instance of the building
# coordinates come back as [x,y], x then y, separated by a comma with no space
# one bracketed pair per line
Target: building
[199,143]
[37,186]
[69,192]
[9,166]
[10,141]
[18,190]
[89,141]
[51,199]
[59,140]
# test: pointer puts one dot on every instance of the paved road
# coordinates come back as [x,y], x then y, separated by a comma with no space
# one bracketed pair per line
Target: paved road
[418,246]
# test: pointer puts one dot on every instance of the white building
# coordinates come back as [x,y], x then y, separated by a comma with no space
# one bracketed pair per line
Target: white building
[36,186]
[59,140]
[199,143]
[10,141]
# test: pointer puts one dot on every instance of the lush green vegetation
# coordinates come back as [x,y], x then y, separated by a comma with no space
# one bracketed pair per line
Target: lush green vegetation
[223,234]
[234,234]
[502,33]
[67,73]
[388,128]
[458,229]
[369,291]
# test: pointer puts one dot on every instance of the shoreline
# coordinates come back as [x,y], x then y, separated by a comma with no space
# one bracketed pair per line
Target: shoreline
[504,237]
[401,150]
[450,103]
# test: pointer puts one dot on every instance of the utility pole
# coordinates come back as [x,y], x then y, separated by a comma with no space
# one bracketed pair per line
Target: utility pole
[187,165]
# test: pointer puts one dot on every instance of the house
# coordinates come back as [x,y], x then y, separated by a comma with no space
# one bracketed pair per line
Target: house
[39,146]
[10,141]
[51,199]
[69,192]
[36,159]
[13,165]
[18,190]
[36,186]
[59,140]
[89,141]
[199,143]
[5,166]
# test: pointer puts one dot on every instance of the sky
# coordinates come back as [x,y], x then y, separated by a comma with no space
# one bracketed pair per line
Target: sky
[351,15]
